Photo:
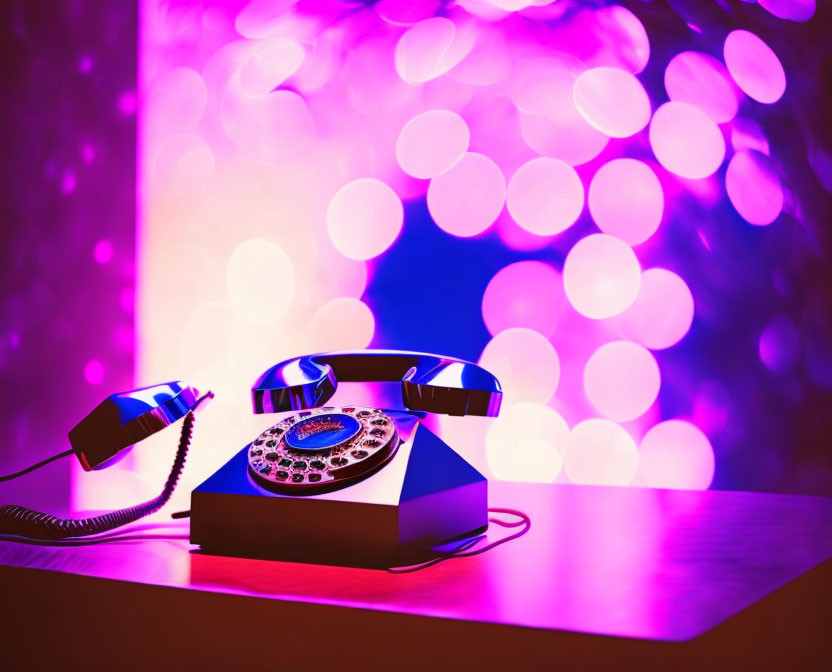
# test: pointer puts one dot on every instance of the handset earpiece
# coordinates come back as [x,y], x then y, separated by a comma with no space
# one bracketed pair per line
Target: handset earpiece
[430,383]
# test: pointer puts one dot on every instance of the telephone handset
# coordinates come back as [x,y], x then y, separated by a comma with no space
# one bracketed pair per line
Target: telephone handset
[327,448]
[430,383]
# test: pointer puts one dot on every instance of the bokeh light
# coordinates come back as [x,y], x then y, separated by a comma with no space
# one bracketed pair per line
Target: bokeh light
[662,313]
[260,279]
[103,251]
[754,188]
[270,127]
[344,323]
[261,18]
[686,141]
[431,142]
[676,454]
[429,49]
[348,164]
[526,443]
[364,217]
[524,294]
[622,380]
[525,363]
[754,66]
[467,198]
[701,80]
[626,200]
[613,101]
[600,452]
[273,64]
[184,163]
[545,196]
[550,123]
[94,372]
[779,344]
[601,276]
[794,10]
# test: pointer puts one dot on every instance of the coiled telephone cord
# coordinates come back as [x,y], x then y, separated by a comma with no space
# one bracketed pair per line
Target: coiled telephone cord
[24,522]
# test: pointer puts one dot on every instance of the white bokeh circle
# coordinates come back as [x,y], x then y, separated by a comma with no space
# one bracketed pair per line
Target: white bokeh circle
[260,279]
[545,196]
[600,452]
[468,197]
[345,323]
[526,442]
[601,276]
[364,217]
[431,142]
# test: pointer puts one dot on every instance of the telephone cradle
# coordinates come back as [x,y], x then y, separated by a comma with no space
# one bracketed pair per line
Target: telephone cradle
[350,485]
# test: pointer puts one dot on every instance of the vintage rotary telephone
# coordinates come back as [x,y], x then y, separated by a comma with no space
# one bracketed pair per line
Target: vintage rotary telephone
[345,485]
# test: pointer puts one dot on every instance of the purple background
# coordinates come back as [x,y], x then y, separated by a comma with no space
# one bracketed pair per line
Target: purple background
[68,72]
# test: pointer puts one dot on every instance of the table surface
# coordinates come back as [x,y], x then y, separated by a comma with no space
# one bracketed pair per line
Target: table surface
[630,562]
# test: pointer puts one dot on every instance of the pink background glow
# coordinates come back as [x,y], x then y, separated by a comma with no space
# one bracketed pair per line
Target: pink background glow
[285,148]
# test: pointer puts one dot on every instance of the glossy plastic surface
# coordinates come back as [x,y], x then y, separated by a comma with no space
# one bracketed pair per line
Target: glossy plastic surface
[126,418]
[430,383]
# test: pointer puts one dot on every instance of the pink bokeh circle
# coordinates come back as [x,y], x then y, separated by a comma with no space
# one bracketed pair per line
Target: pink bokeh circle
[622,380]
[525,363]
[613,101]
[430,48]
[545,196]
[676,454]
[662,313]
[467,198]
[364,218]
[626,200]
[686,141]
[601,276]
[549,121]
[793,10]
[103,251]
[600,452]
[524,294]
[701,80]
[94,372]
[431,142]
[754,66]
[754,187]
[779,344]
